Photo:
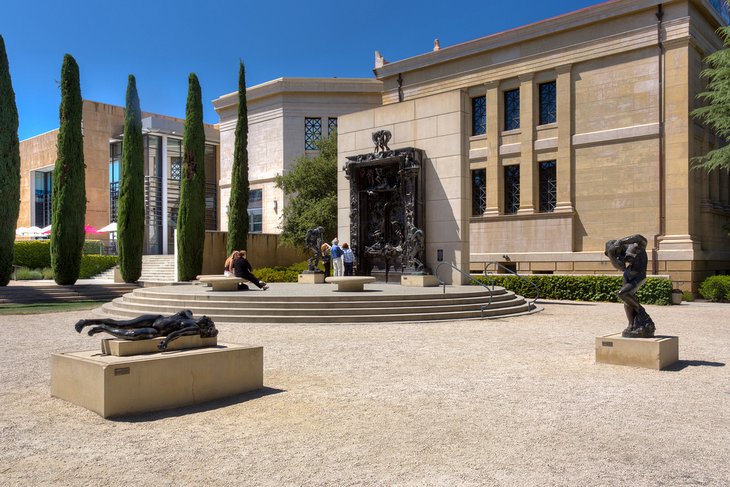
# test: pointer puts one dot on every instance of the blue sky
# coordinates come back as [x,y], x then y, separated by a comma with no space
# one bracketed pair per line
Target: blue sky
[161,41]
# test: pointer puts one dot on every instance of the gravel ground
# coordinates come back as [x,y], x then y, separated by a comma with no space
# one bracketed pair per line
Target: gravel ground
[514,401]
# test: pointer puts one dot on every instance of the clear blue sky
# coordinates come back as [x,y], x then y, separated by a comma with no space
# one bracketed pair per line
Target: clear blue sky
[161,41]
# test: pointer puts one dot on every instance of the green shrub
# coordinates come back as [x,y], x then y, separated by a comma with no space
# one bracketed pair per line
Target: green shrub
[582,288]
[34,254]
[281,273]
[715,288]
[688,296]
[93,247]
[92,265]
[25,274]
[47,273]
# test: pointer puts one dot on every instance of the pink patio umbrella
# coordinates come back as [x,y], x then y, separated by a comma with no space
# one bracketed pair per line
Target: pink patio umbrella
[88,229]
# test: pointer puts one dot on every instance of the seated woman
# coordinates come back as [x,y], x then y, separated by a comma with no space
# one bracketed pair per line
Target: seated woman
[242,268]
[228,265]
[152,326]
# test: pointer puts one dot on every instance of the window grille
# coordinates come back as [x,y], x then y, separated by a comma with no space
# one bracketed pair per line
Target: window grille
[511,189]
[478,192]
[479,115]
[548,111]
[512,109]
[548,187]
[312,133]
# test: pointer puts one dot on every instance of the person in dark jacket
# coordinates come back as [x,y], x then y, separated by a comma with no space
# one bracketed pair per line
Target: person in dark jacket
[242,268]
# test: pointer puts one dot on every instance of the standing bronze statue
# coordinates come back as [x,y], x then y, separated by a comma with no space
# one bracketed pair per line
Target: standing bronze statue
[152,326]
[629,256]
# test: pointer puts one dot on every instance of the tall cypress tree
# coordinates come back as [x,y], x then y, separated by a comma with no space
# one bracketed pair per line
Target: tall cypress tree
[68,200]
[130,223]
[9,168]
[191,215]
[238,203]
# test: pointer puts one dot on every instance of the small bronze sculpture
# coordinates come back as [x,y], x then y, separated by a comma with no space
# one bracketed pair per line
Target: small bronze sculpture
[381,139]
[313,240]
[152,326]
[629,256]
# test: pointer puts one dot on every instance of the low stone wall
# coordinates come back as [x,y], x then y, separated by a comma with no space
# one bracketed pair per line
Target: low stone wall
[263,251]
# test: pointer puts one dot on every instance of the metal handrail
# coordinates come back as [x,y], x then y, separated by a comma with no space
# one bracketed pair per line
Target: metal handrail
[514,273]
[443,283]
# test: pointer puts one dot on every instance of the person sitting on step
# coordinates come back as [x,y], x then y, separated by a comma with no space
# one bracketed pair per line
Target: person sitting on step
[242,268]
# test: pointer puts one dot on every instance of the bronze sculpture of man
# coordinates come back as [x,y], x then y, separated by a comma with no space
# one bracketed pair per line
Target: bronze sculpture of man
[152,326]
[629,256]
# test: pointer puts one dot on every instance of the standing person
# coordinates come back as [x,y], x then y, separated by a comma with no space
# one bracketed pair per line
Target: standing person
[348,258]
[242,268]
[326,258]
[337,257]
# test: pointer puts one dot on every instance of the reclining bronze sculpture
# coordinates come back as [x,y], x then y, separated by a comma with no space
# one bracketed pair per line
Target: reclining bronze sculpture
[152,326]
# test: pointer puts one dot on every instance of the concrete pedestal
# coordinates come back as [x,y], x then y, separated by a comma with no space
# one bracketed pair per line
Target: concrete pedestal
[117,386]
[313,278]
[652,353]
[126,348]
[426,280]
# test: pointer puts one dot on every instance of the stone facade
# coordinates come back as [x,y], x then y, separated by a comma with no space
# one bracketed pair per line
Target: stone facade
[625,77]
[276,138]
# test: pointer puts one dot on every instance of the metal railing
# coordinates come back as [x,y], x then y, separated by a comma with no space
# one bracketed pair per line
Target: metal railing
[470,277]
[497,265]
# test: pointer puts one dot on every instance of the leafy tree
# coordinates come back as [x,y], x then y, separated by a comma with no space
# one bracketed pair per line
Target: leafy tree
[191,215]
[68,200]
[9,168]
[131,205]
[238,204]
[716,112]
[311,186]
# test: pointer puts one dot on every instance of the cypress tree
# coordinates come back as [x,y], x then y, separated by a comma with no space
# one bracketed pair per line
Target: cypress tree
[9,168]
[68,201]
[238,203]
[130,223]
[191,215]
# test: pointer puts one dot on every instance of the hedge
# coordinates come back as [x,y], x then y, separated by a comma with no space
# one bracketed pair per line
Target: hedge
[34,254]
[656,290]
[92,265]
[280,273]
[716,288]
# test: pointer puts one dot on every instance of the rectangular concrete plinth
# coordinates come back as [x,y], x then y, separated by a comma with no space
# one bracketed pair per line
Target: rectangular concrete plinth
[118,386]
[651,353]
[419,281]
[314,278]
[126,348]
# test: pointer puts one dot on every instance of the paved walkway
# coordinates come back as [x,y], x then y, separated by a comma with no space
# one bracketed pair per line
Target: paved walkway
[515,401]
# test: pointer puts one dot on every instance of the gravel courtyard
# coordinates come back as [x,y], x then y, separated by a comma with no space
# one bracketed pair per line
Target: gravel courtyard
[514,401]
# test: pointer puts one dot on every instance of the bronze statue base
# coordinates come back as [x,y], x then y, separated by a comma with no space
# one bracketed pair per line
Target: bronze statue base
[643,327]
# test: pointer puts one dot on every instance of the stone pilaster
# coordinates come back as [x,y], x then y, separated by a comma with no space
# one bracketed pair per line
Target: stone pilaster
[528,172]
[565,162]
[495,183]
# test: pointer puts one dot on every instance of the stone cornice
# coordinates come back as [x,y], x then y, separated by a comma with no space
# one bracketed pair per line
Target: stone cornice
[324,86]
[572,20]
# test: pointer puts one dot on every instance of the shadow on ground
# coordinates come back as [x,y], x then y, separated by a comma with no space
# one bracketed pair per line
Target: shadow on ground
[683,364]
[198,408]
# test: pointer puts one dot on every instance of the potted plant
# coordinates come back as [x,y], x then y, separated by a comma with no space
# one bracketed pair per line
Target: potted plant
[676,296]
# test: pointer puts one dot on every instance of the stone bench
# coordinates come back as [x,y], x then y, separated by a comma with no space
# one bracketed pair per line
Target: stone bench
[350,283]
[221,283]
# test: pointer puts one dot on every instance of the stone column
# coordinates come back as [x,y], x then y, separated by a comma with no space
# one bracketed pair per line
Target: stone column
[495,183]
[564,169]
[528,173]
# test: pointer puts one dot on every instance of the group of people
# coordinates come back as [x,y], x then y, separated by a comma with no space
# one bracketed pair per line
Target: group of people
[339,259]
[237,265]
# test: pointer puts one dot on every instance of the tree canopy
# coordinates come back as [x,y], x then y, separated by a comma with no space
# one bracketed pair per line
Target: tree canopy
[715,113]
[311,190]
[238,203]
[9,168]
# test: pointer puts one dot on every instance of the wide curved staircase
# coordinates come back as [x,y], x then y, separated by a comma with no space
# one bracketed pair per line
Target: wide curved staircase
[292,303]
